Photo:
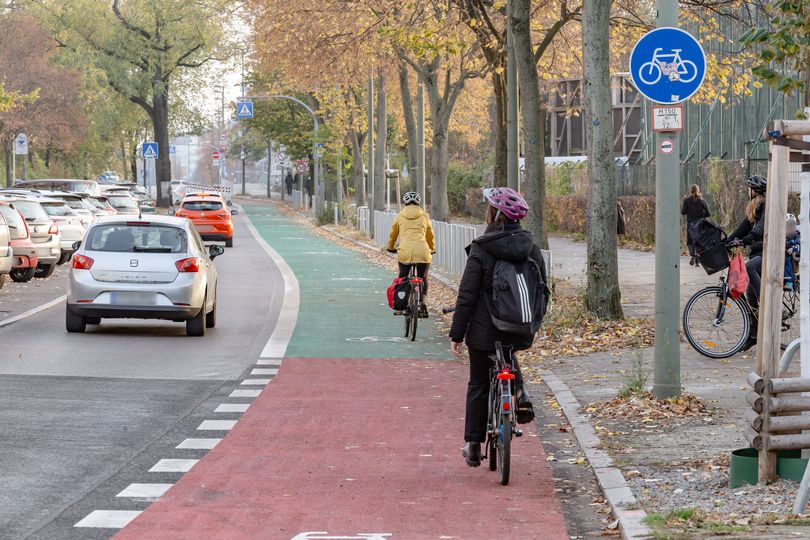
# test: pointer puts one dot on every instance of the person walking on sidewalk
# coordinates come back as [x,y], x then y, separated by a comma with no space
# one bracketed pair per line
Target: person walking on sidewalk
[473,321]
[694,207]
[288,183]
[416,242]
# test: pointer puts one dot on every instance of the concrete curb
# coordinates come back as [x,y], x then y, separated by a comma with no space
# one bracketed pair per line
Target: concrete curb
[617,492]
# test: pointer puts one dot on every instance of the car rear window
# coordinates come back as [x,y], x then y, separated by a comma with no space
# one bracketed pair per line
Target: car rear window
[58,209]
[202,206]
[133,238]
[32,211]
[15,222]
[99,203]
[73,203]
[123,201]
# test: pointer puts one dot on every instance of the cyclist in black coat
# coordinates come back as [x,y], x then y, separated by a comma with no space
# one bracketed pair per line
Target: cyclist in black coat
[504,239]
[751,233]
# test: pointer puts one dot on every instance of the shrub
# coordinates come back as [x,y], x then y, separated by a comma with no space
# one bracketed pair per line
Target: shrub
[460,179]
[568,213]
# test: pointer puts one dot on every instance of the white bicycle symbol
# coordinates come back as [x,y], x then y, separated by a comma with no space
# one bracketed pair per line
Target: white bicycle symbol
[676,70]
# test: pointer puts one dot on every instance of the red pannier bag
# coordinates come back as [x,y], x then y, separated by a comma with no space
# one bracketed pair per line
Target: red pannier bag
[737,276]
[398,294]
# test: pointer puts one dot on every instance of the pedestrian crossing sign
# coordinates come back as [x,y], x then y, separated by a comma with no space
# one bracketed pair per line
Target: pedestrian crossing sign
[244,110]
[149,150]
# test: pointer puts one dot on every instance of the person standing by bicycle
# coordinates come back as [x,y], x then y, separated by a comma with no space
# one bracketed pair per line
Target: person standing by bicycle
[416,242]
[473,321]
[751,233]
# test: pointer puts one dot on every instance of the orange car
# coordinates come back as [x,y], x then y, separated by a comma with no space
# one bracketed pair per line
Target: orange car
[209,215]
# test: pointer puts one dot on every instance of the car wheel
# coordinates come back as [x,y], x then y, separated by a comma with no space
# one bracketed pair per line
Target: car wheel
[196,326]
[64,258]
[44,270]
[74,322]
[92,320]
[22,275]
[211,317]
[229,242]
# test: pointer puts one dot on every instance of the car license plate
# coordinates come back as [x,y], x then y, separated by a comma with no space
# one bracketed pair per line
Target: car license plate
[133,298]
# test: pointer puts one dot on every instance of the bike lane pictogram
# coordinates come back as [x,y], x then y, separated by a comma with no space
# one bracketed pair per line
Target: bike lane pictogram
[362,441]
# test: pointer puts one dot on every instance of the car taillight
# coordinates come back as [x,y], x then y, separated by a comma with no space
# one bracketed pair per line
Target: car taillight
[222,215]
[82,262]
[54,229]
[192,264]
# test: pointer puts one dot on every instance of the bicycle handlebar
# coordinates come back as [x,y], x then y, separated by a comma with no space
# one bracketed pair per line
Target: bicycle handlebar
[448,310]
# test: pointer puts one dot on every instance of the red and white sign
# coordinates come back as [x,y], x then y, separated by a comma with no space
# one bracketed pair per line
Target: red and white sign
[667,147]
[302,166]
[215,154]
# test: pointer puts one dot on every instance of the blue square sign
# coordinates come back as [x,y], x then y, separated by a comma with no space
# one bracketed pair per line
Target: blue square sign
[244,110]
[149,150]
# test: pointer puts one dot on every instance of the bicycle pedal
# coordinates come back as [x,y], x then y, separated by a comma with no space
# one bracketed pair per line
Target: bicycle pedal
[518,433]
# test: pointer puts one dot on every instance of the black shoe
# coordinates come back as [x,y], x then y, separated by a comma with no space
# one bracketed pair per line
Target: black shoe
[692,261]
[423,311]
[525,410]
[472,453]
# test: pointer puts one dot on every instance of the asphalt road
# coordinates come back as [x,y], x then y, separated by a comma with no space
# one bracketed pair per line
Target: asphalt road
[82,416]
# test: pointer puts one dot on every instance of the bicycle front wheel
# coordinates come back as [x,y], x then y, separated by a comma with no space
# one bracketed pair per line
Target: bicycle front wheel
[715,327]
[790,317]
[503,443]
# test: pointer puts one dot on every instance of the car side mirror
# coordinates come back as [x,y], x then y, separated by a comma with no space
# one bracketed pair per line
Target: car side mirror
[171,211]
[215,251]
[76,245]
[234,213]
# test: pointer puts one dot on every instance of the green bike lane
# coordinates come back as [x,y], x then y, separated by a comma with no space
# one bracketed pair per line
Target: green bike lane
[358,435]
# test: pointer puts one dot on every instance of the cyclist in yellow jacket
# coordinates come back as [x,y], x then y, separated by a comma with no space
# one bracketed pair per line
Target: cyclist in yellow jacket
[416,242]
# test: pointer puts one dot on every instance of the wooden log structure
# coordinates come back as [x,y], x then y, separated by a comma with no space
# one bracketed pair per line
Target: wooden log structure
[753,438]
[794,441]
[789,385]
[754,420]
[781,424]
[756,401]
[756,382]
[789,404]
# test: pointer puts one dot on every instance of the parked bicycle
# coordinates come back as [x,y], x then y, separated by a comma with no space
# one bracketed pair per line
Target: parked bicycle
[719,326]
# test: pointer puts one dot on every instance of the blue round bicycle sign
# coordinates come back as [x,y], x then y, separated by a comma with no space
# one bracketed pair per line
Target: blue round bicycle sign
[667,65]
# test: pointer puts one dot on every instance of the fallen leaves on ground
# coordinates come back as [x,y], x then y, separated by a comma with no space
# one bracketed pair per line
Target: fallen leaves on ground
[644,408]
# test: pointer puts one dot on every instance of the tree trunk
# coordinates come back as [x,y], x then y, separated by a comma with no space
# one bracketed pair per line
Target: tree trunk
[382,140]
[133,164]
[7,151]
[534,186]
[357,168]
[410,121]
[439,157]
[163,165]
[602,297]
[499,95]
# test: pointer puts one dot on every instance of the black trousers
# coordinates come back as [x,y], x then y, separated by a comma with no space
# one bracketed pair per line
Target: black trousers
[690,242]
[421,271]
[475,423]
[754,269]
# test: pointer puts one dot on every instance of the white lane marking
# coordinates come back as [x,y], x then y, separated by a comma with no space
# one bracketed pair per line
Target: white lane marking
[145,491]
[33,311]
[269,362]
[108,519]
[269,371]
[198,444]
[232,407]
[216,425]
[173,465]
[245,393]
[256,382]
[276,346]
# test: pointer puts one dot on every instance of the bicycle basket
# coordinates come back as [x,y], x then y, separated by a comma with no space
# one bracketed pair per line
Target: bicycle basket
[710,245]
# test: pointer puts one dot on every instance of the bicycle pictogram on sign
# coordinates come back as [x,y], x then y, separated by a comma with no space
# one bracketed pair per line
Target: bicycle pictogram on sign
[676,70]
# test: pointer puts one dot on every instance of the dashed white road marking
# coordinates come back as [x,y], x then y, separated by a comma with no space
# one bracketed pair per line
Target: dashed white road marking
[261,382]
[216,425]
[145,491]
[245,393]
[174,465]
[269,362]
[108,519]
[264,371]
[198,444]
[232,407]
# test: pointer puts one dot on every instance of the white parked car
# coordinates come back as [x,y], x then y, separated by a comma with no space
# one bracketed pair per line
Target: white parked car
[71,228]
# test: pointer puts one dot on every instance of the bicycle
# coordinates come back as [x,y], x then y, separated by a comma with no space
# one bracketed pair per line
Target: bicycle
[718,326]
[411,313]
[677,69]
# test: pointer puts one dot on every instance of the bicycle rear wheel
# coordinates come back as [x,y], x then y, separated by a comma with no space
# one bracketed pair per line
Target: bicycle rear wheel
[715,328]
[413,308]
[503,443]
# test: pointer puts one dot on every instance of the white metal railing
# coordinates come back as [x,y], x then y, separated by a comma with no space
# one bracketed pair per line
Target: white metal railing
[363,221]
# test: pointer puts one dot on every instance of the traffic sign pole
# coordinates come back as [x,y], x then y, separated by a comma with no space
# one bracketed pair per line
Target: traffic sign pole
[667,371]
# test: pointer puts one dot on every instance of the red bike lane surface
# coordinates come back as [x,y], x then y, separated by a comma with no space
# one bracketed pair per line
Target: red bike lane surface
[350,447]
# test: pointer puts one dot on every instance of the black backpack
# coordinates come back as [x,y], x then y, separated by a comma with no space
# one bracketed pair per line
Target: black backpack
[520,296]
[710,245]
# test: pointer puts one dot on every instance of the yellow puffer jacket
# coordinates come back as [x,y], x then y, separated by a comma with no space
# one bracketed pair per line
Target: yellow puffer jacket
[416,243]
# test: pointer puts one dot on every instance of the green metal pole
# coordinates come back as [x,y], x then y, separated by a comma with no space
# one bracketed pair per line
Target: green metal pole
[512,165]
[420,138]
[370,175]
[667,375]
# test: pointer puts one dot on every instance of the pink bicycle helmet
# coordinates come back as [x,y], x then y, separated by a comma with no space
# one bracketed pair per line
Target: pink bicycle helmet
[508,201]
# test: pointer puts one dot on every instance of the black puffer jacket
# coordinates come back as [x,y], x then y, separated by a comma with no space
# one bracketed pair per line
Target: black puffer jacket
[472,322]
[751,234]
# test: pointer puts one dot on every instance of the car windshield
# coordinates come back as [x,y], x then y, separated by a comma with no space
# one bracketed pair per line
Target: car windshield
[202,206]
[57,209]
[136,238]
[32,211]
[15,222]
[122,201]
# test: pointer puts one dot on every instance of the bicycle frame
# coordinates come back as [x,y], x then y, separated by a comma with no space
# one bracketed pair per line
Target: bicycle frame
[501,396]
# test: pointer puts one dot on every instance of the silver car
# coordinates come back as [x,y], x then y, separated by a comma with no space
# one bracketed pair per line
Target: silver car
[71,228]
[44,234]
[6,253]
[155,267]
[123,203]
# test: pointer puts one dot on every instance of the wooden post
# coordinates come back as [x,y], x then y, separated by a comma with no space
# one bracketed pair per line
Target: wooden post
[770,304]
